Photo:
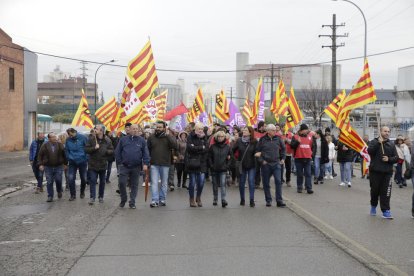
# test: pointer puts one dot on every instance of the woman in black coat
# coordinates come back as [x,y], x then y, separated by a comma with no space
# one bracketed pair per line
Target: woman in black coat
[196,162]
[244,149]
[320,155]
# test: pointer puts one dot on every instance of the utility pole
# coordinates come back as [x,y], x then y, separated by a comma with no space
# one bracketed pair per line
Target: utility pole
[333,47]
[84,75]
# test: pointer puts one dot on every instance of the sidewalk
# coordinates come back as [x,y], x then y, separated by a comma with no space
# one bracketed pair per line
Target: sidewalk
[15,168]
[342,214]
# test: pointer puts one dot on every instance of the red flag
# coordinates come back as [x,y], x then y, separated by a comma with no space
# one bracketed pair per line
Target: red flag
[181,109]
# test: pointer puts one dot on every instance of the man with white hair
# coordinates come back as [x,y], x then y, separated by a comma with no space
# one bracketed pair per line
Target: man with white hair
[271,153]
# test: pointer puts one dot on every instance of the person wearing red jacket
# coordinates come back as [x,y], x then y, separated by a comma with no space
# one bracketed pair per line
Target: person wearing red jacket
[302,145]
[289,152]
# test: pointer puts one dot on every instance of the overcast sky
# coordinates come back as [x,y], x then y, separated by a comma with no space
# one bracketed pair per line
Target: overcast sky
[206,34]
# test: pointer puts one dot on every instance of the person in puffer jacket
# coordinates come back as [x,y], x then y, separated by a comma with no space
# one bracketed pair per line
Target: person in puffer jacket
[76,155]
[179,164]
[219,162]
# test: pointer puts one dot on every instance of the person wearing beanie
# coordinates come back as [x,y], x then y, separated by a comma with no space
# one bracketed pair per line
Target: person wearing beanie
[302,145]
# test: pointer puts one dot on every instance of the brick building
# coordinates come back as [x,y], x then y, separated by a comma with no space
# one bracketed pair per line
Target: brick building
[11,94]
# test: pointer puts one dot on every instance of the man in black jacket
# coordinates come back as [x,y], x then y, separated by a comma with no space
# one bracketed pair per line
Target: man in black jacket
[271,155]
[160,146]
[383,157]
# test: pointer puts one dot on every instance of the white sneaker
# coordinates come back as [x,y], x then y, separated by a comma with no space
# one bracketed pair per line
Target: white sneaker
[349,185]
[326,177]
[342,184]
[330,177]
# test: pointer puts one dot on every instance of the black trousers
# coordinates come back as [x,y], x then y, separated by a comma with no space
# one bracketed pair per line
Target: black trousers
[380,188]
[288,167]
[181,172]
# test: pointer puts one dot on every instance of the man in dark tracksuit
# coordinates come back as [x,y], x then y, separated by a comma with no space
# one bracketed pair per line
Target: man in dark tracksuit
[383,157]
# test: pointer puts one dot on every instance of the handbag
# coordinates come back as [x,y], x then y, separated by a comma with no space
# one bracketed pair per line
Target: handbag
[193,164]
[240,168]
[408,174]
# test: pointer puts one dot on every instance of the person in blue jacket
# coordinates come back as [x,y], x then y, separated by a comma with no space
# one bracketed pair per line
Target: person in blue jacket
[76,155]
[131,155]
[34,151]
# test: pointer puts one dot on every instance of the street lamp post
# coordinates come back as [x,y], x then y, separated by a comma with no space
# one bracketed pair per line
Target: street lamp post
[364,114]
[96,72]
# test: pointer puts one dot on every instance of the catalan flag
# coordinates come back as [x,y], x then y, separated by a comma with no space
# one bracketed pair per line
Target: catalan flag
[247,113]
[142,73]
[355,142]
[222,107]
[258,101]
[198,106]
[210,119]
[363,93]
[139,115]
[279,105]
[105,113]
[116,118]
[83,115]
[156,106]
[294,114]
[332,109]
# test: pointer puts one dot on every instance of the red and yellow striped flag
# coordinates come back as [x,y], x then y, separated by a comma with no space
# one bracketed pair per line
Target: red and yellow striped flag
[355,142]
[210,119]
[363,93]
[142,73]
[83,115]
[256,102]
[294,114]
[332,109]
[139,115]
[279,105]
[156,107]
[105,113]
[222,107]
[198,106]
[247,112]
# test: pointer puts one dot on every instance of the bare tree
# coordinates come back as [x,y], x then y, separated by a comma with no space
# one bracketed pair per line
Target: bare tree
[314,100]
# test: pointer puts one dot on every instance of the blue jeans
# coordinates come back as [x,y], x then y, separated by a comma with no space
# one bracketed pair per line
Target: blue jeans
[319,168]
[250,175]
[345,169]
[328,168]
[220,179]
[38,174]
[133,175]
[196,179]
[108,170]
[53,174]
[158,172]
[93,177]
[303,169]
[267,172]
[73,167]
[412,181]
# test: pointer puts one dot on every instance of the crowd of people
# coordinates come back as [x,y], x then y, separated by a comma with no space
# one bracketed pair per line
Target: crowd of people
[220,154]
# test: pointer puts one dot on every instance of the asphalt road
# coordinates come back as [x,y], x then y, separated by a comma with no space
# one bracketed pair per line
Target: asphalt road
[327,233]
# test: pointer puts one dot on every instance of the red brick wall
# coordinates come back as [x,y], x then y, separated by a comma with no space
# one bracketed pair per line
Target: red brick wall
[11,101]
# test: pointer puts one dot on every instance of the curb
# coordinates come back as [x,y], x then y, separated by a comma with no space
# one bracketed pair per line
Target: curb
[363,255]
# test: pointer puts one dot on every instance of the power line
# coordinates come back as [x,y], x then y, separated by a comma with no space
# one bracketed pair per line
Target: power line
[213,71]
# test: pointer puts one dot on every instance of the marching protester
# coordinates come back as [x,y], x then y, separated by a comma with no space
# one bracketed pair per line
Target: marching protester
[344,158]
[111,158]
[246,148]
[320,155]
[219,162]
[403,157]
[76,155]
[160,146]
[52,159]
[33,153]
[131,155]
[383,156]
[288,160]
[62,139]
[99,147]
[331,156]
[259,133]
[335,142]
[302,147]
[196,162]
[271,154]
[179,164]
